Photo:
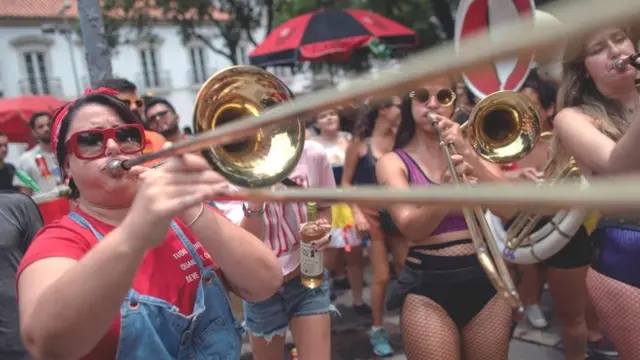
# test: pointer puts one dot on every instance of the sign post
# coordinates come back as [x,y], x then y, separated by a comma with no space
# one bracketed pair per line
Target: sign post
[478,15]
[95,43]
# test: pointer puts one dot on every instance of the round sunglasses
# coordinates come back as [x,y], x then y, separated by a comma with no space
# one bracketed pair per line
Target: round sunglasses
[445,97]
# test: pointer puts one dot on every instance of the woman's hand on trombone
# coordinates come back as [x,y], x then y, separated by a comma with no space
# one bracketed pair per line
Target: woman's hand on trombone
[462,168]
[527,173]
[452,134]
[177,188]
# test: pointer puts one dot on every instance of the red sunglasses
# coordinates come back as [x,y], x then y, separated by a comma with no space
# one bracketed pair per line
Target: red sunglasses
[92,144]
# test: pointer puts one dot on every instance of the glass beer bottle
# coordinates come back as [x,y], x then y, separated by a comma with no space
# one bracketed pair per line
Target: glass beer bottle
[311,261]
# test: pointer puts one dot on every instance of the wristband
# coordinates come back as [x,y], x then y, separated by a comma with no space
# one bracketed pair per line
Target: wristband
[248,212]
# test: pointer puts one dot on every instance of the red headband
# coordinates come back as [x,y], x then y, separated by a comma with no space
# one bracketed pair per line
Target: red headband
[64,110]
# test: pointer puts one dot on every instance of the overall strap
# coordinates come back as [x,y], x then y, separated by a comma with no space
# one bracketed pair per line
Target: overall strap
[85,224]
[187,244]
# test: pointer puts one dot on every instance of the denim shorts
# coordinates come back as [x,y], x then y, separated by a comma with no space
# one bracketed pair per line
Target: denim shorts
[271,317]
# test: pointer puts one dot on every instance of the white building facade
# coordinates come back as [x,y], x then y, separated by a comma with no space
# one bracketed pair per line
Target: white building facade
[43,54]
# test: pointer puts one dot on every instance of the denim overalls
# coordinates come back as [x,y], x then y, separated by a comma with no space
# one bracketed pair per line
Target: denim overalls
[152,328]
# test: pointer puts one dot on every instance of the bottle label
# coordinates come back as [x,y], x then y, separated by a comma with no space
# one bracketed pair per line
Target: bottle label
[311,263]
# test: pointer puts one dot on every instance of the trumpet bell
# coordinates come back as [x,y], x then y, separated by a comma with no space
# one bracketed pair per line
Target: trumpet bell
[265,158]
[504,127]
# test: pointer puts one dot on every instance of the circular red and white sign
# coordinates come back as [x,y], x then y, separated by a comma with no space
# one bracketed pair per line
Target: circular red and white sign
[477,15]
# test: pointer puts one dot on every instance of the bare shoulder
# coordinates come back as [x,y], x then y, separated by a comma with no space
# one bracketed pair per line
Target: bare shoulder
[571,115]
[390,162]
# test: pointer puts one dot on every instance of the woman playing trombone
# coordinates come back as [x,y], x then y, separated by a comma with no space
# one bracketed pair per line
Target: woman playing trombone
[597,103]
[462,316]
[142,268]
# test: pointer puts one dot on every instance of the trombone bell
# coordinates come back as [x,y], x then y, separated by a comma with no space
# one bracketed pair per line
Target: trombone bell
[504,127]
[265,158]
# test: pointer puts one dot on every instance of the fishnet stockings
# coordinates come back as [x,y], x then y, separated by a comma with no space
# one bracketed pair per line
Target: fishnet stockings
[485,337]
[456,250]
[427,331]
[617,305]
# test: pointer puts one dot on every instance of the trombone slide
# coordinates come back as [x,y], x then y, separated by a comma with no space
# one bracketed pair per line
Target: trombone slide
[486,248]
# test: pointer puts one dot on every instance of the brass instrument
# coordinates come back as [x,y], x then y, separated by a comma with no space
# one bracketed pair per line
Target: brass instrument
[407,76]
[526,221]
[273,152]
[503,127]
[621,64]
[265,156]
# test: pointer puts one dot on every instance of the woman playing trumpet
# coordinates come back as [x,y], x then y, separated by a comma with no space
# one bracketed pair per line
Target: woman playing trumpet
[137,270]
[462,317]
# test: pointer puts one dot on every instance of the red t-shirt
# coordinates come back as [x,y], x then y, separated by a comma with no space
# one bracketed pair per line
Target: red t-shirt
[510,167]
[166,272]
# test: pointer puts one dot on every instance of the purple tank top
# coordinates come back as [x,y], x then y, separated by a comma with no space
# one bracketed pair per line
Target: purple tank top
[451,222]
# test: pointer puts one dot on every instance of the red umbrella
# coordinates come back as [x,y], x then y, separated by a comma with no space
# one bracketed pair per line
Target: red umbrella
[15,114]
[329,33]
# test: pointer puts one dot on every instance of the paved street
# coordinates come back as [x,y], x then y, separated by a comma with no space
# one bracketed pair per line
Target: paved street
[350,339]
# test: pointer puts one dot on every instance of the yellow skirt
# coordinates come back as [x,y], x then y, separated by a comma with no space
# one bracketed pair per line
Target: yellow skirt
[341,216]
[343,233]
[591,221]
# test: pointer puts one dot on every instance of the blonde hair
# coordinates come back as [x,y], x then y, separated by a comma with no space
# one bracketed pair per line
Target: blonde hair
[578,91]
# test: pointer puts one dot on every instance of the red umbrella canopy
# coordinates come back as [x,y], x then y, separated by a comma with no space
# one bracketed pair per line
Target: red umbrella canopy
[319,34]
[15,114]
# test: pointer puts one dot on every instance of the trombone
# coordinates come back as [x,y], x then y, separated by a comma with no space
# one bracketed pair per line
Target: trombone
[446,60]
[503,127]
[271,142]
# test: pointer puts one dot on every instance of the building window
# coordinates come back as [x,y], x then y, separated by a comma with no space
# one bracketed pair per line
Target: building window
[36,72]
[197,58]
[242,55]
[150,72]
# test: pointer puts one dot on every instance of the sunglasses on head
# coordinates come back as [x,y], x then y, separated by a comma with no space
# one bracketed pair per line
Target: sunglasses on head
[444,97]
[138,102]
[92,144]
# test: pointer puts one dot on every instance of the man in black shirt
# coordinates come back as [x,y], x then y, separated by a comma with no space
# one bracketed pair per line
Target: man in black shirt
[7,171]
[20,220]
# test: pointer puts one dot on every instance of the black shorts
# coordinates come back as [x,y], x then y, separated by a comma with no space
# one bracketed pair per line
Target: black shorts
[457,283]
[579,252]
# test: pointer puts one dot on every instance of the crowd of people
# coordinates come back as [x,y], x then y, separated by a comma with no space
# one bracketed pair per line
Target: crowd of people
[143,265]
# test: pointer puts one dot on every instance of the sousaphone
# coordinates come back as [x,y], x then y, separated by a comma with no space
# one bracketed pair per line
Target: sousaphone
[531,238]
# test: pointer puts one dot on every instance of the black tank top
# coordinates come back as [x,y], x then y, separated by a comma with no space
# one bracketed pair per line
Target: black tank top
[365,172]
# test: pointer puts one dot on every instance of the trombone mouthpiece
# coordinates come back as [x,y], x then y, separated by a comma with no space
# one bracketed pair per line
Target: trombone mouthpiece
[620,64]
[115,167]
